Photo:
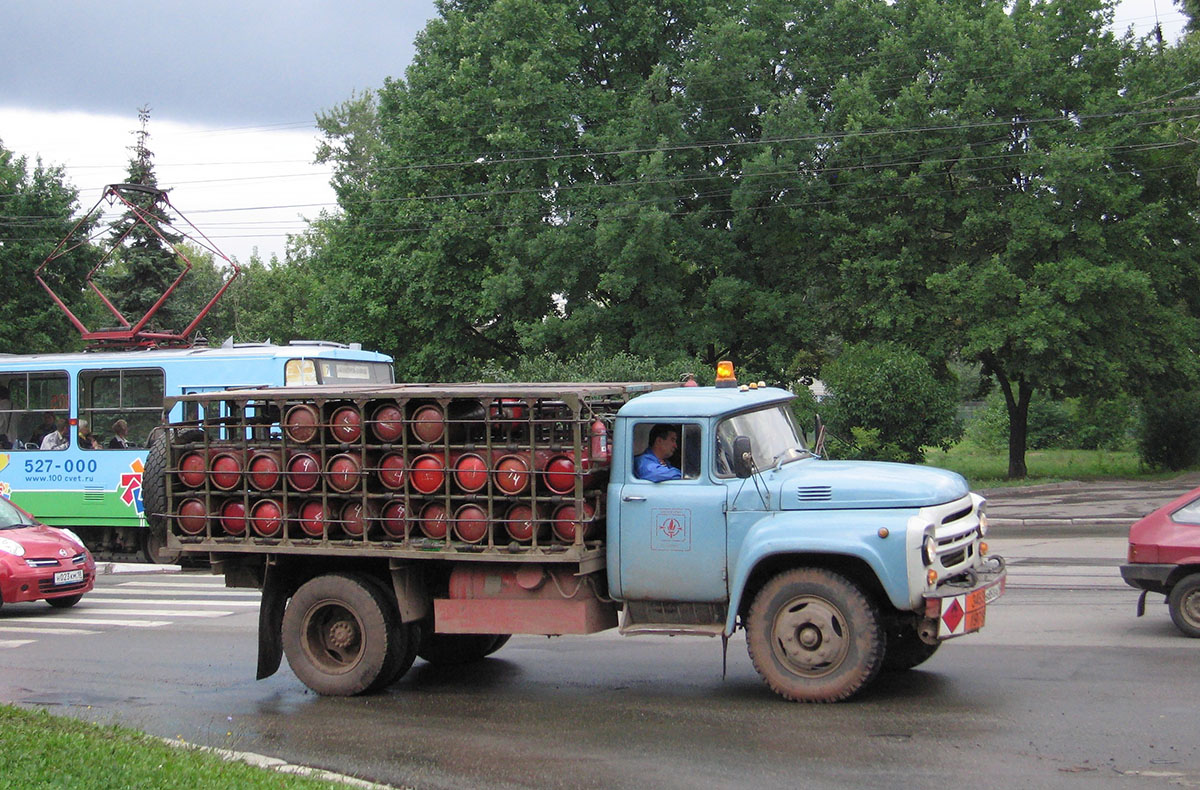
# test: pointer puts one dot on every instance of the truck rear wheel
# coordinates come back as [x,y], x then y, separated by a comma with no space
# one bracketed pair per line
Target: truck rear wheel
[339,634]
[154,499]
[455,649]
[814,636]
[1184,603]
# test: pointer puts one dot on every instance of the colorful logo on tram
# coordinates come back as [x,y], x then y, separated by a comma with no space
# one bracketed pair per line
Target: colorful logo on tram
[131,486]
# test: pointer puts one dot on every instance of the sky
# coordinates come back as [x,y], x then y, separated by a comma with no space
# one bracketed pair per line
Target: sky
[233,88]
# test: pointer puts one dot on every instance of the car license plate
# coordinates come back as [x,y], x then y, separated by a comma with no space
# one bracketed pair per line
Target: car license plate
[68,577]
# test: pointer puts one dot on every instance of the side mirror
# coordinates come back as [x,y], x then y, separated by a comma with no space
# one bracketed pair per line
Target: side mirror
[743,459]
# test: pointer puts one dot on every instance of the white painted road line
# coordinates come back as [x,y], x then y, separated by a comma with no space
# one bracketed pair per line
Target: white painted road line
[160,613]
[215,587]
[15,642]
[91,621]
[18,629]
[93,598]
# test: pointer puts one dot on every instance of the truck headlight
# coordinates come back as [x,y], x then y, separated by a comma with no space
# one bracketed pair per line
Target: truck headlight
[929,549]
[983,522]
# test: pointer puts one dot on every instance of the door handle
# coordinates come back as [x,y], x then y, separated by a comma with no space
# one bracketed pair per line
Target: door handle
[633,499]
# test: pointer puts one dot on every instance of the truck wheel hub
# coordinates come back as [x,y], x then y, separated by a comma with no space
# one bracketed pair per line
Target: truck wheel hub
[341,634]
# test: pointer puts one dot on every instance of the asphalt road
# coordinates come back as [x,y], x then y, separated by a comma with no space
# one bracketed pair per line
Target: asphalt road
[1065,687]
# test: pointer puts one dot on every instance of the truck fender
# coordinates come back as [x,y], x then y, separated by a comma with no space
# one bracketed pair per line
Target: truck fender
[275,593]
[849,535]
[413,599]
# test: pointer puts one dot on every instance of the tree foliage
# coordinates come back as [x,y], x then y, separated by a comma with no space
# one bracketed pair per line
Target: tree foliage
[36,208]
[888,397]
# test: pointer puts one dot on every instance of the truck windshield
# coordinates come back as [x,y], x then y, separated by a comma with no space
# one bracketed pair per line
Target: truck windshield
[774,438]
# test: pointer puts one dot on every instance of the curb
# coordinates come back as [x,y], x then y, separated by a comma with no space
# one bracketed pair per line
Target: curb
[278,765]
[107,568]
[1064,521]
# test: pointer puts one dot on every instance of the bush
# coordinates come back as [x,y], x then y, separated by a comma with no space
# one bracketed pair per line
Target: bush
[1170,431]
[891,396]
[1071,424]
[595,364]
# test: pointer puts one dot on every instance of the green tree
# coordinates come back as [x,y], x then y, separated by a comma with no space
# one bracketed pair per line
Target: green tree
[546,178]
[1006,185]
[36,208]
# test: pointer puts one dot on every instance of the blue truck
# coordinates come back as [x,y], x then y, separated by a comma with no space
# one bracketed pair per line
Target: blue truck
[386,523]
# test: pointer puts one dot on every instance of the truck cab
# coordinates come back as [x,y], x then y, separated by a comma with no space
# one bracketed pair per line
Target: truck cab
[835,569]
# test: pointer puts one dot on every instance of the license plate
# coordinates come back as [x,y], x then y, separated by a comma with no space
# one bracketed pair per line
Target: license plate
[68,577]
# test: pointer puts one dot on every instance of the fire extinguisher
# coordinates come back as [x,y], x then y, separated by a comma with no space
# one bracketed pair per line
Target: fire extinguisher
[600,452]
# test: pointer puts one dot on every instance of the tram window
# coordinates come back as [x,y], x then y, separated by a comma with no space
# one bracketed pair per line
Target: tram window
[122,406]
[35,401]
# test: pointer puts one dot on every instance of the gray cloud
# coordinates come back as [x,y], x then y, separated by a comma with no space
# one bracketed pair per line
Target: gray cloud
[253,62]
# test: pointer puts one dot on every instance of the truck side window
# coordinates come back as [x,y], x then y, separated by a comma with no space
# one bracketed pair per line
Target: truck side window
[685,458]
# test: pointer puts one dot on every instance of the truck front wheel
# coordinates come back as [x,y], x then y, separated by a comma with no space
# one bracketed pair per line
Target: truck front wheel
[814,636]
[337,634]
[1184,603]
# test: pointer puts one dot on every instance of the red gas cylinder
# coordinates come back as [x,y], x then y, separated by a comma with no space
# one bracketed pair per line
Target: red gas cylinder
[391,471]
[356,517]
[511,474]
[387,423]
[559,474]
[521,523]
[428,473]
[568,522]
[192,468]
[600,452]
[303,472]
[312,518]
[394,519]
[262,471]
[470,523]
[344,472]
[432,520]
[470,472]
[233,517]
[507,413]
[346,424]
[226,469]
[193,516]
[267,518]
[428,423]
[302,423]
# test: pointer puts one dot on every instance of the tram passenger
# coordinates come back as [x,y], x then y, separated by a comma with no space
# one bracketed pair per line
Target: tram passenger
[56,439]
[43,430]
[120,440]
[86,440]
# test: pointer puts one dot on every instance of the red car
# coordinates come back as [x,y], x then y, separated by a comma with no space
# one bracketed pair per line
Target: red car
[39,562]
[1164,557]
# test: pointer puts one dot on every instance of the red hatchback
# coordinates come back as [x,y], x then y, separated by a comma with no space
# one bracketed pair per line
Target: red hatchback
[1164,557]
[39,562]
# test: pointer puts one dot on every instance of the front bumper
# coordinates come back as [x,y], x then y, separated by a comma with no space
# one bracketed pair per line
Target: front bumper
[21,584]
[954,610]
[1152,577]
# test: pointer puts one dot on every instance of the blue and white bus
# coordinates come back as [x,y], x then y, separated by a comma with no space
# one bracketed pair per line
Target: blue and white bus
[74,427]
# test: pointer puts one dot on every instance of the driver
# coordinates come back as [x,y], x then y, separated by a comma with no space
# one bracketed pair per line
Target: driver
[652,465]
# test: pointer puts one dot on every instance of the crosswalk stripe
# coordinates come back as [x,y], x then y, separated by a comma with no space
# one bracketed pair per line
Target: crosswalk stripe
[16,642]
[199,585]
[121,589]
[17,629]
[95,621]
[161,613]
[92,598]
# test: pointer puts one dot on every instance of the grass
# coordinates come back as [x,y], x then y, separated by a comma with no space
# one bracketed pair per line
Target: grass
[985,468]
[38,750]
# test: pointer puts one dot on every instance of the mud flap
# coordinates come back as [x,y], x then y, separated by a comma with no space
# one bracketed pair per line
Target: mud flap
[275,594]
[1141,605]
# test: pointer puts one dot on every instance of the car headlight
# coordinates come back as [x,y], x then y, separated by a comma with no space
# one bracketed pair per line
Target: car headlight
[10,546]
[70,535]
